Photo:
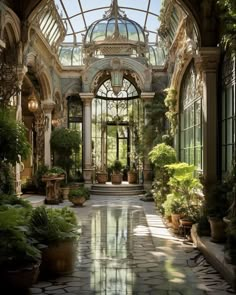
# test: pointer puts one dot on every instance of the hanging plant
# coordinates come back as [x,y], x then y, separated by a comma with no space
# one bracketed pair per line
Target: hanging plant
[171,114]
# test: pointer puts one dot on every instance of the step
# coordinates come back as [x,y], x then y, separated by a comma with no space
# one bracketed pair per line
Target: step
[123,189]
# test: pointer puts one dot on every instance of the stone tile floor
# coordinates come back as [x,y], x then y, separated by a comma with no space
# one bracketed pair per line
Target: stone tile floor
[125,249]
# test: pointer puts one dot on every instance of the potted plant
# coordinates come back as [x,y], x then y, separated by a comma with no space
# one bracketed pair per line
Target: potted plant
[231,240]
[160,156]
[79,196]
[58,230]
[132,175]
[116,177]
[19,254]
[64,142]
[102,175]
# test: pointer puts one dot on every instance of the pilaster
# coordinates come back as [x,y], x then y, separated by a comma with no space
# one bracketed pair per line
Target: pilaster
[209,59]
[87,138]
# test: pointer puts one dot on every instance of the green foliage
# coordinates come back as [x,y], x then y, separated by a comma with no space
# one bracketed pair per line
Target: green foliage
[64,142]
[13,140]
[80,192]
[162,155]
[171,114]
[231,240]
[6,179]
[17,247]
[228,25]
[40,185]
[117,166]
[51,225]
[54,171]
[184,184]
[174,204]
[14,201]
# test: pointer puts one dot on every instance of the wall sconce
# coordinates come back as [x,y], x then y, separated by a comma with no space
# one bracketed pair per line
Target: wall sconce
[32,103]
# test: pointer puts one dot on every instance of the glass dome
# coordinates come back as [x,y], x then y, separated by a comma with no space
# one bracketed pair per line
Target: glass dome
[115,26]
[107,29]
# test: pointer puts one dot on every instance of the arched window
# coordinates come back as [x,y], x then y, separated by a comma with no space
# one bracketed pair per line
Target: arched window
[228,113]
[75,119]
[191,119]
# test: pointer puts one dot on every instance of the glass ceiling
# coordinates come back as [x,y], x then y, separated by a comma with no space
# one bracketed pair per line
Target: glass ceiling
[78,15]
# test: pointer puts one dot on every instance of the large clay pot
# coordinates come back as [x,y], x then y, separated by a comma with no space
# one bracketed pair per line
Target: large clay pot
[59,258]
[102,177]
[175,221]
[217,226]
[22,278]
[77,200]
[132,177]
[65,192]
[116,178]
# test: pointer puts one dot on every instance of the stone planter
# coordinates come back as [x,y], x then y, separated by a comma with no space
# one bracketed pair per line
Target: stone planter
[65,192]
[77,200]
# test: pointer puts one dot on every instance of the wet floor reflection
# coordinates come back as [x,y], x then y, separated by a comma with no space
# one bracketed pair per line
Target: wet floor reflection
[112,248]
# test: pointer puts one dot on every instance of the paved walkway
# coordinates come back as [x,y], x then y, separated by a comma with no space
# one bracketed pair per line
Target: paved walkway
[125,249]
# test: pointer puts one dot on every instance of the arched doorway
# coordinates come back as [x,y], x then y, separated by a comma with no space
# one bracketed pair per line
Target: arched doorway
[117,122]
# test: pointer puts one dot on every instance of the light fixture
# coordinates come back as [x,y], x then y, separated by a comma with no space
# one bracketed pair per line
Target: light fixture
[32,103]
[55,122]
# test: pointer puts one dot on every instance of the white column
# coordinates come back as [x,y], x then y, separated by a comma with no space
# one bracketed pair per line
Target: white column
[147,98]
[209,58]
[87,136]
[48,106]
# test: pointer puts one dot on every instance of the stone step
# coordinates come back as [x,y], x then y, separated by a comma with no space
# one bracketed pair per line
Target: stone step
[123,189]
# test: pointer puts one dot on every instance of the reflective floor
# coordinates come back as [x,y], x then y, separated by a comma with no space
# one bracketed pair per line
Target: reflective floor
[124,248]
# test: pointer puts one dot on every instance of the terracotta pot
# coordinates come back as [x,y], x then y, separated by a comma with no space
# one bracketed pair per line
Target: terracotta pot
[175,220]
[132,177]
[77,200]
[59,258]
[102,177]
[116,178]
[217,226]
[22,278]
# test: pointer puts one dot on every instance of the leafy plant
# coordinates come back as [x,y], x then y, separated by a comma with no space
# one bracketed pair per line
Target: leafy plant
[51,225]
[228,26]
[174,204]
[17,247]
[231,240]
[80,192]
[40,185]
[14,201]
[160,156]
[13,140]
[117,166]
[6,178]
[64,142]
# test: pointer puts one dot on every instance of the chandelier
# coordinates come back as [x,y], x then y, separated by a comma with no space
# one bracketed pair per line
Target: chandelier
[8,77]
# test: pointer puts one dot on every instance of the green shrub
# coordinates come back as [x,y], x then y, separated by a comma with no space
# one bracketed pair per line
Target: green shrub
[80,192]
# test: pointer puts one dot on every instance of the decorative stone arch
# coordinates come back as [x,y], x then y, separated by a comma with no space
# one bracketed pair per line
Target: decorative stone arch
[11,25]
[143,73]
[46,87]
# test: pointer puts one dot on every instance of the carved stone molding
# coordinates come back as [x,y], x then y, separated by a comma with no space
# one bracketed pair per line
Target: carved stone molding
[209,58]
[48,105]
[86,97]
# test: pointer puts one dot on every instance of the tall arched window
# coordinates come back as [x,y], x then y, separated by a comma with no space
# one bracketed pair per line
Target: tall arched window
[191,119]
[228,112]
[75,119]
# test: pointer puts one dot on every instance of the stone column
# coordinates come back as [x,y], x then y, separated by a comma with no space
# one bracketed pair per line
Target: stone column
[47,106]
[21,71]
[209,58]
[87,137]
[147,98]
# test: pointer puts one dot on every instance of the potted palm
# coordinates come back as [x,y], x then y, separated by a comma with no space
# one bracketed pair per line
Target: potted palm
[79,196]
[58,230]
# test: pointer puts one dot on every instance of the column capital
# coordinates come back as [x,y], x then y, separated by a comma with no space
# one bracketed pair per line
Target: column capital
[86,97]
[48,105]
[209,58]
[147,96]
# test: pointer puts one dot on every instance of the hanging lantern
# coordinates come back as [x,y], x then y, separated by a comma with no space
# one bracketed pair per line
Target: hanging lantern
[33,103]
